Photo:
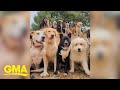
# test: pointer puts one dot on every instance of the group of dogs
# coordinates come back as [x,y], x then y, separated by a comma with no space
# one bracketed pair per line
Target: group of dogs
[64,47]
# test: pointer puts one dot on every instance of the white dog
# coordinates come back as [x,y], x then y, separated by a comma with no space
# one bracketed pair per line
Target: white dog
[78,54]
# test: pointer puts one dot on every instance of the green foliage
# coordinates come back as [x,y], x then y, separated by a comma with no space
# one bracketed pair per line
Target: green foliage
[61,15]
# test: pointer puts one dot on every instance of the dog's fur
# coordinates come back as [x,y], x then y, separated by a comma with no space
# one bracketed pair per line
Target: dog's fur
[60,27]
[63,53]
[52,40]
[102,53]
[67,28]
[14,42]
[78,54]
[37,50]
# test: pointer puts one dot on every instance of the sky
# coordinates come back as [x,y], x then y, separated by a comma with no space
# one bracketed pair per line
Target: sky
[32,14]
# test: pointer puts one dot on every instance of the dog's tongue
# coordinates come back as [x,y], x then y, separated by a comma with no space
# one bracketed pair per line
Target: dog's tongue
[41,46]
[65,47]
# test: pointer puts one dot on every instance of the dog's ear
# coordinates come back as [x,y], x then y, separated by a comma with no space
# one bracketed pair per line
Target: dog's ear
[56,33]
[45,31]
[70,47]
[69,35]
[57,37]
[31,34]
[86,43]
[83,35]
[61,35]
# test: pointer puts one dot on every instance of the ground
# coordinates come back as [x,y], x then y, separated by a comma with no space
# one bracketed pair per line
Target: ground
[78,74]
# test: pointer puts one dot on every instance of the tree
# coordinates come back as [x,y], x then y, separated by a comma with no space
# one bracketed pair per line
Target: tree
[68,16]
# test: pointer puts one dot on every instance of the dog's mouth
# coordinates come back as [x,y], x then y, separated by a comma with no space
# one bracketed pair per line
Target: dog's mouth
[65,47]
[39,44]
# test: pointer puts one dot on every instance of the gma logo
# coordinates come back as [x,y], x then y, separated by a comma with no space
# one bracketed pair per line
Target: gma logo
[15,70]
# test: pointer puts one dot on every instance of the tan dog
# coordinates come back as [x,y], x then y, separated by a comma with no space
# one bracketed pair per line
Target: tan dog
[78,54]
[51,40]
[102,54]
[37,50]
[14,48]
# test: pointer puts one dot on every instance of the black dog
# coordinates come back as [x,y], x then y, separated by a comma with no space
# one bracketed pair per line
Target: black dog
[63,48]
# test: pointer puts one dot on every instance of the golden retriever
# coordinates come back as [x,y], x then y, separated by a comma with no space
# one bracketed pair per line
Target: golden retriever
[78,54]
[52,40]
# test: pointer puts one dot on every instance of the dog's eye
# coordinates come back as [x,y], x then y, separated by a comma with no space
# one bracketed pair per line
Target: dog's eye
[48,31]
[76,44]
[81,44]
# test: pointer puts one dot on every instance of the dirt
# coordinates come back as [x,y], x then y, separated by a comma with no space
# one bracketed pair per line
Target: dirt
[78,74]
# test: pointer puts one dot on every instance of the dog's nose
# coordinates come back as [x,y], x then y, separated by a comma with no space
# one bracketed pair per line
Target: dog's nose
[52,35]
[79,50]
[66,43]
[43,38]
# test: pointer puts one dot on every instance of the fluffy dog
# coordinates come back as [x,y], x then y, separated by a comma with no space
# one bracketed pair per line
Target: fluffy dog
[63,53]
[37,50]
[14,48]
[78,54]
[52,40]
[102,54]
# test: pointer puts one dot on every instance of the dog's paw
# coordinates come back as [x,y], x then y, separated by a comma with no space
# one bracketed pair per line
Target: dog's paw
[56,72]
[71,71]
[88,73]
[65,74]
[44,74]
[32,77]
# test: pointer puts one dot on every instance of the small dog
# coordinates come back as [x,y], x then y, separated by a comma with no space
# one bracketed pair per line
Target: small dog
[63,53]
[52,40]
[37,50]
[78,54]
